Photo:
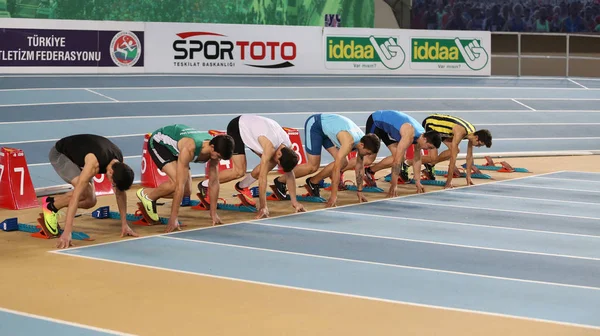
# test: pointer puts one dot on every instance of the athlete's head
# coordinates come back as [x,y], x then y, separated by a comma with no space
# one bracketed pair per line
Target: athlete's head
[121,175]
[287,159]
[369,144]
[222,147]
[483,137]
[429,140]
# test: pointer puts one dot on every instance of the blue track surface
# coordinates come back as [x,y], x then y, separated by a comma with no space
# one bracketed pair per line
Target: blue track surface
[17,324]
[503,248]
[524,115]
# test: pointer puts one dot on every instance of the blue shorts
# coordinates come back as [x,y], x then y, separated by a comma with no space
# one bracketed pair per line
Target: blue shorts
[314,136]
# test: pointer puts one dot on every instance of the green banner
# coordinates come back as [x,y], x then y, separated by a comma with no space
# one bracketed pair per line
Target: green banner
[341,13]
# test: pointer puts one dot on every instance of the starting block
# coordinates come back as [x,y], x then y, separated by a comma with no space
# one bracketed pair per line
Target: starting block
[352,187]
[300,198]
[198,205]
[39,231]
[503,168]
[424,181]
[463,174]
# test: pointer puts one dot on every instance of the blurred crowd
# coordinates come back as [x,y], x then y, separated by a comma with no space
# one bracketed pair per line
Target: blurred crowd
[562,16]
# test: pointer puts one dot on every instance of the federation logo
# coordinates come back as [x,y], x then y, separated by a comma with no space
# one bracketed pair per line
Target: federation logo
[125,49]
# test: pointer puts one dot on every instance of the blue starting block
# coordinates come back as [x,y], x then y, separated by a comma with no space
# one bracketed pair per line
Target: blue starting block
[475,176]
[299,198]
[186,201]
[101,213]
[10,224]
[440,183]
[228,207]
[354,188]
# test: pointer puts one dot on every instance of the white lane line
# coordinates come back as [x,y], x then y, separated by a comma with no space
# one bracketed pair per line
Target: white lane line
[375,263]
[340,294]
[518,102]
[428,242]
[72,324]
[464,224]
[302,87]
[526,198]
[574,82]
[101,95]
[491,209]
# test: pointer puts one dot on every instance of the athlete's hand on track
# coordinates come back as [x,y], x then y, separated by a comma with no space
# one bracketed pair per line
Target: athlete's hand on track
[216,220]
[127,231]
[64,240]
[173,225]
[263,213]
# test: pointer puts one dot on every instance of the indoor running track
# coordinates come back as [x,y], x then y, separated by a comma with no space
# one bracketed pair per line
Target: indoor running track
[525,115]
[527,248]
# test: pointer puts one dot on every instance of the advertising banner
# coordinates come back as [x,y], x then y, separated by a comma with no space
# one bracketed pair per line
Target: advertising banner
[406,52]
[62,49]
[239,49]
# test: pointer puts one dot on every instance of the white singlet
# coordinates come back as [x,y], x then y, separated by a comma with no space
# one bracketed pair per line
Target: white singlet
[253,126]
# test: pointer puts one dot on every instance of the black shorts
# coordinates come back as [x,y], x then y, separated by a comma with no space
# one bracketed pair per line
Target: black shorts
[160,154]
[370,128]
[233,130]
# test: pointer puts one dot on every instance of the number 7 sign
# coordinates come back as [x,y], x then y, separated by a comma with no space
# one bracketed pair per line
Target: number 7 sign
[16,188]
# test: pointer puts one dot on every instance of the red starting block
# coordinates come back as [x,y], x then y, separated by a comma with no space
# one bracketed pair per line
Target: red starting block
[102,185]
[152,177]
[16,188]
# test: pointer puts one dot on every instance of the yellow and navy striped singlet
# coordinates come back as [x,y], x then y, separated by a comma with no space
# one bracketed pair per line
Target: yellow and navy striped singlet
[443,124]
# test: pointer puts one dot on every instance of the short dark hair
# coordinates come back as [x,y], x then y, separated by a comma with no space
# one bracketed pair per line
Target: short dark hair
[371,142]
[433,138]
[484,136]
[288,159]
[122,176]
[223,144]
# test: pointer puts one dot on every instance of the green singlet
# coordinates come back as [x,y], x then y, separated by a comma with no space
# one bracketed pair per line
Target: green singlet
[168,136]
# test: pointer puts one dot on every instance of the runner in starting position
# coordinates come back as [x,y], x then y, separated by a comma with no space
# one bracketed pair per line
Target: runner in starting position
[77,159]
[267,139]
[339,136]
[173,148]
[453,130]
[398,132]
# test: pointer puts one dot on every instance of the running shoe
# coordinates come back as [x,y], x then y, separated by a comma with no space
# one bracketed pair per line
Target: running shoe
[245,195]
[280,189]
[50,218]
[369,178]
[429,171]
[313,189]
[148,205]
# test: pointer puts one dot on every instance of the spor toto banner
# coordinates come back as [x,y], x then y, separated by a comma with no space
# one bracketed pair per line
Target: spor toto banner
[22,47]
[412,52]
[214,48]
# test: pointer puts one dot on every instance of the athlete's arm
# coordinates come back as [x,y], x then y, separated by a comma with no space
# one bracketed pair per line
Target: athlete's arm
[213,189]
[469,162]
[90,169]
[407,133]
[265,159]
[186,154]
[347,143]
[121,198]
[417,168]
[359,170]
[458,134]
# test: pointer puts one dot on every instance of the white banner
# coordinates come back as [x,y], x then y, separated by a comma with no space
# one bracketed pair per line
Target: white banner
[239,49]
[406,52]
